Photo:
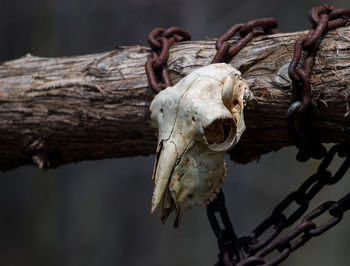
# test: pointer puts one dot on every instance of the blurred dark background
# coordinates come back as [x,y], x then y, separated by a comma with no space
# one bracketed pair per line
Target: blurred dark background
[98,212]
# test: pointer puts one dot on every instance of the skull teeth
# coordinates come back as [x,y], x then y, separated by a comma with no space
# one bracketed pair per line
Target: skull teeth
[212,197]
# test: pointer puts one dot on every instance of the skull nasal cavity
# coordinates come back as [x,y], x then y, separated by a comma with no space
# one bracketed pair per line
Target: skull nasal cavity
[218,131]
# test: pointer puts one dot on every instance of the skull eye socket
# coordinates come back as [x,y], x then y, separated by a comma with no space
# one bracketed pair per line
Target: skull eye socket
[220,131]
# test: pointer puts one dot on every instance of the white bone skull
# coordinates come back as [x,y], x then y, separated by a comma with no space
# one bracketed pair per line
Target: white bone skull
[197,120]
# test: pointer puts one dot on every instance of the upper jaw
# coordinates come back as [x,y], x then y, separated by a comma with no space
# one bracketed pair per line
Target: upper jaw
[169,154]
[194,180]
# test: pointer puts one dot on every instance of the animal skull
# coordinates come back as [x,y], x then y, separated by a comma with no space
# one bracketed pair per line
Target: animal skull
[198,120]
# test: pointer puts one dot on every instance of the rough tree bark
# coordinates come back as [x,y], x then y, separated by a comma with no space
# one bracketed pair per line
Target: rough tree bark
[55,111]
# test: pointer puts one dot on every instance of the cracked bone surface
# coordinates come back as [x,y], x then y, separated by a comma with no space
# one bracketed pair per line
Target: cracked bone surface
[197,121]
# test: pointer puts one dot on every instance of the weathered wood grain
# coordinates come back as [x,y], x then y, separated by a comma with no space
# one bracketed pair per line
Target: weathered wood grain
[55,111]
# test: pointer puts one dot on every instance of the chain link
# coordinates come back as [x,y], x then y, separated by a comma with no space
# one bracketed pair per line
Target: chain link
[225,51]
[160,41]
[227,239]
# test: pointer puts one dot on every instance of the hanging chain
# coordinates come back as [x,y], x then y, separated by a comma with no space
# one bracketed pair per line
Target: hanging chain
[257,248]
[230,247]
[306,139]
[160,41]
[228,242]
[302,197]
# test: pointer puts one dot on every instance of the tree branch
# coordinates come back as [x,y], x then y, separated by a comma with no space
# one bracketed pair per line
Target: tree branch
[60,110]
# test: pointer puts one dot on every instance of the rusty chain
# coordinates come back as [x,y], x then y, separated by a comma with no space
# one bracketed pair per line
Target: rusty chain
[225,51]
[250,250]
[257,248]
[160,41]
[305,138]
[228,242]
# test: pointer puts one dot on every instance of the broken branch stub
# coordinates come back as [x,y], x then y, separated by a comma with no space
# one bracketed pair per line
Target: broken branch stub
[197,120]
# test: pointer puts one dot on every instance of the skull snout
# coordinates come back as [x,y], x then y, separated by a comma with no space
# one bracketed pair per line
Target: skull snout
[169,153]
